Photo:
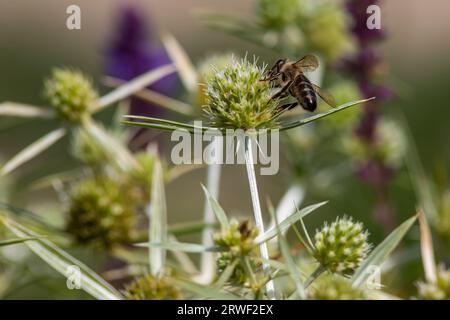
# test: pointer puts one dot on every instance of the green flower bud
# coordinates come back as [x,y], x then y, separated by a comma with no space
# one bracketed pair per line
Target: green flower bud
[71,94]
[343,92]
[238,241]
[237,99]
[389,148]
[334,287]
[341,246]
[151,288]
[101,213]
[328,31]
[278,14]
[439,290]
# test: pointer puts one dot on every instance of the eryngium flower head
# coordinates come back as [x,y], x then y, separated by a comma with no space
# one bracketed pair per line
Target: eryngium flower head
[279,14]
[238,241]
[101,213]
[238,238]
[334,287]
[71,94]
[439,290]
[237,99]
[341,246]
[151,288]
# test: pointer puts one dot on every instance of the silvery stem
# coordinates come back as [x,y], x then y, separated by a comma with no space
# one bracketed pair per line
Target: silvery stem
[207,263]
[270,289]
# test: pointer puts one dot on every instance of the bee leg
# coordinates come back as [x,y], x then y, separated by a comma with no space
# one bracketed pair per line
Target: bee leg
[283,93]
[288,106]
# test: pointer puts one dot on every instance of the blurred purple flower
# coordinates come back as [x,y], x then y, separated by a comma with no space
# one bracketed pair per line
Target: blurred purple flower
[131,54]
[365,67]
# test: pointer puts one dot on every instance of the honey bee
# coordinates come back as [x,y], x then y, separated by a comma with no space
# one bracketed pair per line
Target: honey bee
[290,77]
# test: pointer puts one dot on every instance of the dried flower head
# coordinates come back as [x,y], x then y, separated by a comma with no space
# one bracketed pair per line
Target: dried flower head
[71,94]
[237,99]
[439,290]
[149,287]
[101,212]
[341,246]
[334,287]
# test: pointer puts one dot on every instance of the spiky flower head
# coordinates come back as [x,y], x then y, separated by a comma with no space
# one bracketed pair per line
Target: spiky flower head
[70,93]
[279,14]
[237,241]
[341,246]
[438,290]
[237,99]
[101,212]
[334,287]
[149,287]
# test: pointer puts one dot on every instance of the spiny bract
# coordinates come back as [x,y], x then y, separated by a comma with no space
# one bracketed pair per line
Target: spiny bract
[341,246]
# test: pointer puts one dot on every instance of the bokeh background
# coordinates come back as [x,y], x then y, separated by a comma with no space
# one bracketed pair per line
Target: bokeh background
[34,39]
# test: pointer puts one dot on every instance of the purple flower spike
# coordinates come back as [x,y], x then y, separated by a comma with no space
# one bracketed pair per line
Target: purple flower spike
[131,54]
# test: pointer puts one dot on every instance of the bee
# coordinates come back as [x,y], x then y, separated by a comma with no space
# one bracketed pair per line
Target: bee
[290,77]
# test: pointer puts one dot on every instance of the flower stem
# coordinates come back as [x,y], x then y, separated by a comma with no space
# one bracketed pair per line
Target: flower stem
[314,276]
[207,262]
[270,289]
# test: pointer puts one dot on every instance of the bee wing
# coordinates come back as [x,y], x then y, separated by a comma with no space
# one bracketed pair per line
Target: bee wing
[328,98]
[308,63]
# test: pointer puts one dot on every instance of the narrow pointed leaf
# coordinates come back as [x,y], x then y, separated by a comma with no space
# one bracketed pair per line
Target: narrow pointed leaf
[180,246]
[426,249]
[157,220]
[316,117]
[185,68]
[8,242]
[131,87]
[289,260]
[218,211]
[32,150]
[14,109]
[64,263]
[381,252]
[289,221]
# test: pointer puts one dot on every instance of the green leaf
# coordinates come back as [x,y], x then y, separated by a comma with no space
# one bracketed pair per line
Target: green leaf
[290,263]
[180,246]
[289,221]
[32,150]
[218,211]
[13,109]
[157,220]
[381,252]
[4,243]
[131,87]
[62,262]
[316,117]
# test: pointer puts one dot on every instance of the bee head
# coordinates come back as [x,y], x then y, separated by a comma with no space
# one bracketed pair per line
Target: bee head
[274,72]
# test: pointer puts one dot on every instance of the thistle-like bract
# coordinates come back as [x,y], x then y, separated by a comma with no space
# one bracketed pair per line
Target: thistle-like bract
[101,212]
[341,246]
[149,287]
[71,94]
[237,99]
[438,290]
